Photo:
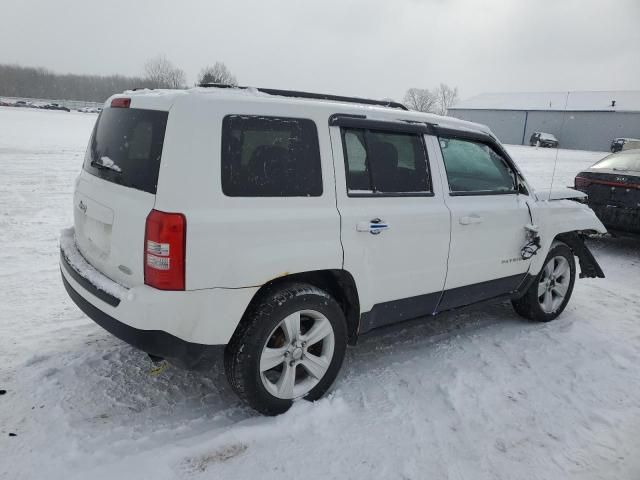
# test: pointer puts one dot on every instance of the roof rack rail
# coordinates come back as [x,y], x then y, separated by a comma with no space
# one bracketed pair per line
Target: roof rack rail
[314,96]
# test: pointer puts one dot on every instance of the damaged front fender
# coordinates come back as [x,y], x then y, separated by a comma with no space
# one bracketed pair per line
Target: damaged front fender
[589,267]
[567,221]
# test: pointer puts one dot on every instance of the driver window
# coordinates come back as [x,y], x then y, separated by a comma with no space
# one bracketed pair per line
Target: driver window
[475,167]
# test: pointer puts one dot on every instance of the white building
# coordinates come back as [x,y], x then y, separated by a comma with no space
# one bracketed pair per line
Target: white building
[580,120]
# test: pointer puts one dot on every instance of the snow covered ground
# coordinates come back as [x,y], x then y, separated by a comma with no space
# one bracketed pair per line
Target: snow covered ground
[474,394]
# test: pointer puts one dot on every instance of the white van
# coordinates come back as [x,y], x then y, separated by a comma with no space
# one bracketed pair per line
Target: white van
[276,227]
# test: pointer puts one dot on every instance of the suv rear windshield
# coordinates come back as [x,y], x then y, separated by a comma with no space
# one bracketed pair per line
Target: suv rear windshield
[126,147]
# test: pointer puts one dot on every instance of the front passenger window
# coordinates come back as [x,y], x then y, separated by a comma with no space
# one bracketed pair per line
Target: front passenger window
[474,167]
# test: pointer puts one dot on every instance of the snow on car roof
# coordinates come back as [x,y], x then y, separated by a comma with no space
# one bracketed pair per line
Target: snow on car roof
[625,101]
[165,98]
[547,136]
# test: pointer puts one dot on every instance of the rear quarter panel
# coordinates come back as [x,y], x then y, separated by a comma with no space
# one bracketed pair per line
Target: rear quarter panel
[237,242]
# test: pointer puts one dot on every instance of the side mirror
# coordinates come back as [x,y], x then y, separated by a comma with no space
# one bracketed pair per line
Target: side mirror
[521,187]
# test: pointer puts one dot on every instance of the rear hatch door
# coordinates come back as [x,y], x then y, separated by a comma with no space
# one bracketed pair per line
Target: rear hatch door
[116,191]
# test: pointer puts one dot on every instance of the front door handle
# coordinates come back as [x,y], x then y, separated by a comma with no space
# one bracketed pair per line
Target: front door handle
[373,226]
[471,219]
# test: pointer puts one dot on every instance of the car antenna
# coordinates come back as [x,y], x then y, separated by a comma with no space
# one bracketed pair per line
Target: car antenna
[555,163]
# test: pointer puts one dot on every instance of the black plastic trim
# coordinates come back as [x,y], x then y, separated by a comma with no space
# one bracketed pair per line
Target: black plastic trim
[482,193]
[589,266]
[312,95]
[478,292]
[86,284]
[154,342]
[395,311]
[463,134]
[389,194]
[333,98]
[361,121]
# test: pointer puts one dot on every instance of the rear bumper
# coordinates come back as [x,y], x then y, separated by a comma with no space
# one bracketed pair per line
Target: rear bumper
[186,327]
[618,218]
[155,342]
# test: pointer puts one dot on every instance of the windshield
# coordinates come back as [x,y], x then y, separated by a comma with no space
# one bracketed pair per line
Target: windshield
[126,146]
[629,160]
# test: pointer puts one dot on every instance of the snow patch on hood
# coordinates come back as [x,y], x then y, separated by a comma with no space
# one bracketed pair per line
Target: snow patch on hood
[559,194]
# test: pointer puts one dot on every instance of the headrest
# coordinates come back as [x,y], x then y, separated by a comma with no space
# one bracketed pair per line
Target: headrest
[384,156]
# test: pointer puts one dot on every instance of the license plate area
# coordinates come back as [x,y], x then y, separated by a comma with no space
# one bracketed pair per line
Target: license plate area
[94,223]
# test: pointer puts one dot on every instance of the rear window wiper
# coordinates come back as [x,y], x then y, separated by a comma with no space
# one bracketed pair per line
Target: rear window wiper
[107,164]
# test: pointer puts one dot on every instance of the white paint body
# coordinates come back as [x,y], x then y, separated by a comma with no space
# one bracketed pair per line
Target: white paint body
[235,245]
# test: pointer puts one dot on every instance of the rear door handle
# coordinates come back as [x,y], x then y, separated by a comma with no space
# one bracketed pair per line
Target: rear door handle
[373,226]
[471,219]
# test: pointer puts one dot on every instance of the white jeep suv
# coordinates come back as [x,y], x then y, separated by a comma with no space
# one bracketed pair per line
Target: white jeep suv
[276,227]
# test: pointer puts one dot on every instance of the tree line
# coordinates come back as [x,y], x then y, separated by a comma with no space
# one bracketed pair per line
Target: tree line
[30,82]
[160,72]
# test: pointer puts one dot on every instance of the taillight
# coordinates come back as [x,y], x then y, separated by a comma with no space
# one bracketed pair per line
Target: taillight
[121,102]
[165,241]
[581,182]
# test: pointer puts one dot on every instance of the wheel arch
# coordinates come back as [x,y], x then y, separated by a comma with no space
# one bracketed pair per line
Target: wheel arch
[589,267]
[340,284]
[574,239]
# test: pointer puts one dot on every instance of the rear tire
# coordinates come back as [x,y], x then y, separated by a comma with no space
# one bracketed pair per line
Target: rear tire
[290,345]
[551,290]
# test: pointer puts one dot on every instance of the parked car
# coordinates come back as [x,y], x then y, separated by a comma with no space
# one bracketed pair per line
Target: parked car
[543,139]
[274,228]
[618,144]
[55,106]
[613,189]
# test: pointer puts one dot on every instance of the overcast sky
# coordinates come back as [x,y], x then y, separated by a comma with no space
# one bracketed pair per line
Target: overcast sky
[370,48]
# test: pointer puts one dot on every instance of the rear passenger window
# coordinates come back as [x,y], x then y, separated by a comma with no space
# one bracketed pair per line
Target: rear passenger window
[473,167]
[385,162]
[270,157]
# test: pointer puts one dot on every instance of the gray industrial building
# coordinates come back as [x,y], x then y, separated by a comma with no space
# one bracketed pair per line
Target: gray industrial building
[579,120]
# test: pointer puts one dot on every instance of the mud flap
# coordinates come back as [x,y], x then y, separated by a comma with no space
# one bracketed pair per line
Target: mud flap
[589,267]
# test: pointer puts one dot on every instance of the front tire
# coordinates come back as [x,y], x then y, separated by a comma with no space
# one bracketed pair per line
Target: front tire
[550,292]
[290,345]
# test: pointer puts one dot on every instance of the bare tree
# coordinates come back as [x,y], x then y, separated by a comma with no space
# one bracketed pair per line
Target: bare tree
[420,99]
[219,73]
[446,96]
[177,78]
[161,73]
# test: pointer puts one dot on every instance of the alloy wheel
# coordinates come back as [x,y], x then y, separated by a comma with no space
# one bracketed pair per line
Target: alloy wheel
[297,354]
[554,284]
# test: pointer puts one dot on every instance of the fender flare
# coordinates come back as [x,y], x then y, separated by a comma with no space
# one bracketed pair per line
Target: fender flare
[589,267]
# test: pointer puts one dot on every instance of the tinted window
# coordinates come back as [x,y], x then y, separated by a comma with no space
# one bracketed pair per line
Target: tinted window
[385,162]
[126,147]
[270,157]
[621,161]
[475,167]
